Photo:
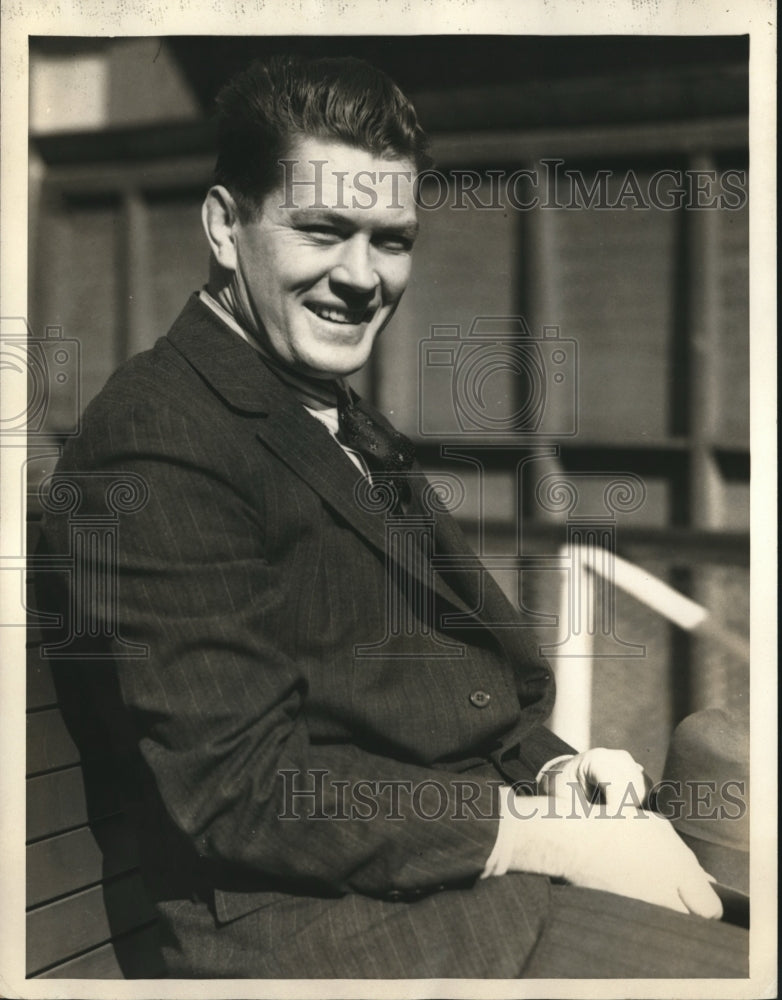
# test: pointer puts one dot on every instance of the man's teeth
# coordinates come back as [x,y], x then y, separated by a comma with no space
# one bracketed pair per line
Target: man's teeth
[339,315]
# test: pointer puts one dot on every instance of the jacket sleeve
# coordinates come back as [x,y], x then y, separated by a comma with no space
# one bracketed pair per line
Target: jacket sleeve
[218,707]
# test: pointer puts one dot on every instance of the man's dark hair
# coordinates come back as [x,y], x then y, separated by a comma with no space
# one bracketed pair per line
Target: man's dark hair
[265,108]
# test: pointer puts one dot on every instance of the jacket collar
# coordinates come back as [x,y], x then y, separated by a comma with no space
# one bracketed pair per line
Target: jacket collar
[239,375]
[228,364]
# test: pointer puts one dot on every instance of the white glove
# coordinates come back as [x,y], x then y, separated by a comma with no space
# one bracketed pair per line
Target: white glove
[631,853]
[614,773]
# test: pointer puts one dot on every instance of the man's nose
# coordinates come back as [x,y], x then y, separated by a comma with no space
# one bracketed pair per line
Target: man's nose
[355,268]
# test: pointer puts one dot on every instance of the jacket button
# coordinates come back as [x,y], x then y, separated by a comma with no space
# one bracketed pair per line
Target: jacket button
[480,699]
[394,894]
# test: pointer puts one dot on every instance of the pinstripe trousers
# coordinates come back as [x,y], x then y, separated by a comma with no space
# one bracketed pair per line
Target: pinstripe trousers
[570,933]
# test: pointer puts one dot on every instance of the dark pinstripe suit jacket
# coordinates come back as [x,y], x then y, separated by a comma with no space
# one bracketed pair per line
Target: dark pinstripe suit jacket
[251,574]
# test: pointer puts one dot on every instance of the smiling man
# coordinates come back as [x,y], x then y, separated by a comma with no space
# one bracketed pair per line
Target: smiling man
[306,811]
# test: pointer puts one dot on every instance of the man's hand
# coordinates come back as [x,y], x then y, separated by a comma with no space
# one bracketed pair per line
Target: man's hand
[631,853]
[612,774]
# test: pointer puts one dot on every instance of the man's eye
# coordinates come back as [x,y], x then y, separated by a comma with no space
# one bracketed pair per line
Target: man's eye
[323,234]
[396,244]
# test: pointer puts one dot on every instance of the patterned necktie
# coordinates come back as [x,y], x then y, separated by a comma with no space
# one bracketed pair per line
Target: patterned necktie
[384,450]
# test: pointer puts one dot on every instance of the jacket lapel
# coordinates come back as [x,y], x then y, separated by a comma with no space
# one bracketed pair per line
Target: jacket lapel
[239,375]
[477,588]
[307,448]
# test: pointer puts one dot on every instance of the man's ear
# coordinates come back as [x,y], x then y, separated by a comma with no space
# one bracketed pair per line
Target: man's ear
[219,217]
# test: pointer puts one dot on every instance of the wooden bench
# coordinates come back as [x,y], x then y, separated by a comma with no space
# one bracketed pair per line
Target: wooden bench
[87,912]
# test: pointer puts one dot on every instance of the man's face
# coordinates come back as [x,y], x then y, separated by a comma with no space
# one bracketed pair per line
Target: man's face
[322,269]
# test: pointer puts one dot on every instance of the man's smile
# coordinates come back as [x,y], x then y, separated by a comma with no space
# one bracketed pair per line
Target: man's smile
[339,314]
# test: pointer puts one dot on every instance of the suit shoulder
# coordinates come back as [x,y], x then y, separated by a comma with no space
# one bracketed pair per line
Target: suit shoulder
[150,375]
[154,404]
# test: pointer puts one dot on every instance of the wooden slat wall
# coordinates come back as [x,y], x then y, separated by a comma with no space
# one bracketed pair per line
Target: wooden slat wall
[73,925]
[57,802]
[87,913]
[131,950]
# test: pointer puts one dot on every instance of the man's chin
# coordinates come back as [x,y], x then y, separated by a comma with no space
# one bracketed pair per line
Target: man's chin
[333,371]
[335,363]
